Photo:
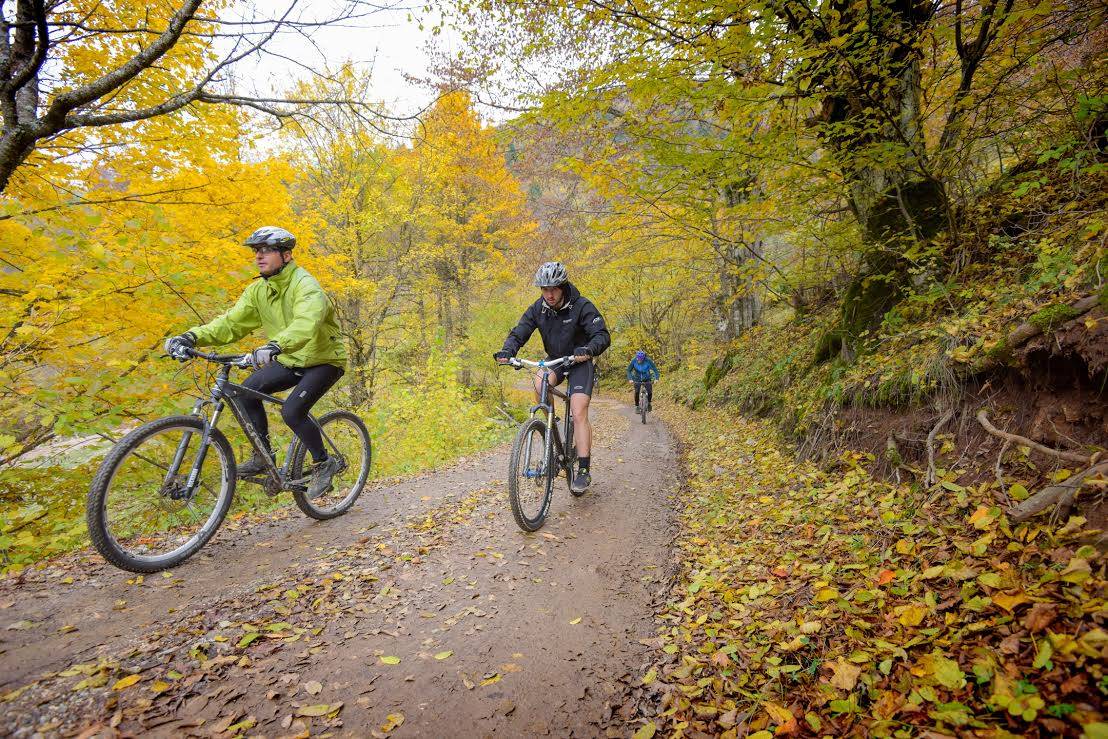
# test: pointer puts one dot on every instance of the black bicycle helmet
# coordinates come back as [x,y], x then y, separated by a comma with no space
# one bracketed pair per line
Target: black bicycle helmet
[551,274]
[271,236]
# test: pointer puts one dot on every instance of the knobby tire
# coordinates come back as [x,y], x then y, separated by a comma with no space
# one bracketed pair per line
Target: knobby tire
[95,502]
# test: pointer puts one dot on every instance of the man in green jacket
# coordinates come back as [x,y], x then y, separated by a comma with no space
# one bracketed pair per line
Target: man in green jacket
[304,351]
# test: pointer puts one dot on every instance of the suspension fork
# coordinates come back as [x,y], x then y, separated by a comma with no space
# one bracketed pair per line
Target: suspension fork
[549,423]
[183,446]
[569,450]
[217,404]
[202,452]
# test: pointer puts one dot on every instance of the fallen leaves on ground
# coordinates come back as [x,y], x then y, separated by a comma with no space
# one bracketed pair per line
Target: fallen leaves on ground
[826,602]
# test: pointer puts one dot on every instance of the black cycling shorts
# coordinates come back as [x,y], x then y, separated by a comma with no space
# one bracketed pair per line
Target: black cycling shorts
[582,376]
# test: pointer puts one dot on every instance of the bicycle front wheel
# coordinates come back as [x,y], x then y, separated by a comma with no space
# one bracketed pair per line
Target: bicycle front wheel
[346,436]
[531,473]
[141,514]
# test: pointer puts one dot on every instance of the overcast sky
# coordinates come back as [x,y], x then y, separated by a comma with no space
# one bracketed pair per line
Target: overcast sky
[390,42]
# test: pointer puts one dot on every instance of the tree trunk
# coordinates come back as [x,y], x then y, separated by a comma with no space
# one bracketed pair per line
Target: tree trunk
[737,304]
[872,125]
[466,375]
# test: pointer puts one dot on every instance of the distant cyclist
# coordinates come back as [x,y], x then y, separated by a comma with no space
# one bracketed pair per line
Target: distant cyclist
[643,372]
[569,325]
[304,349]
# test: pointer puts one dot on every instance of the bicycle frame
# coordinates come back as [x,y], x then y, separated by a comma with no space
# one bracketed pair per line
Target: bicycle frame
[227,393]
[554,435]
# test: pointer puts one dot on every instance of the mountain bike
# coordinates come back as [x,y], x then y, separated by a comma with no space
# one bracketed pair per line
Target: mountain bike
[643,405]
[165,487]
[541,451]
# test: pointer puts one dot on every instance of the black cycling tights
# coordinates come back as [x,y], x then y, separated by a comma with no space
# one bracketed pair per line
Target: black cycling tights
[647,385]
[310,385]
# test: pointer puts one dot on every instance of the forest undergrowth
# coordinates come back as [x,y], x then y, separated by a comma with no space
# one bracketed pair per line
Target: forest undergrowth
[824,601]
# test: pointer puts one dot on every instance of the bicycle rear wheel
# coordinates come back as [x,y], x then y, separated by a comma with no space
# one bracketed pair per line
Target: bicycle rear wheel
[141,516]
[344,435]
[531,473]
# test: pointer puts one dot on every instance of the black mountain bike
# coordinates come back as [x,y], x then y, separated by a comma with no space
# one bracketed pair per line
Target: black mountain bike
[164,488]
[643,405]
[541,451]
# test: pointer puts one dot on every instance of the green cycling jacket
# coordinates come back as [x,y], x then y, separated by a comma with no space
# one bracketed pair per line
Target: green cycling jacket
[293,311]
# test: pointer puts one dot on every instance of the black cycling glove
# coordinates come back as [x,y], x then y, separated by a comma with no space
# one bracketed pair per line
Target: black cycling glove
[175,345]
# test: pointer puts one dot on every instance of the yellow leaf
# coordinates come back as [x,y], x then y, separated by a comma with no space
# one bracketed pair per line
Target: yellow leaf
[912,615]
[1009,602]
[159,686]
[320,709]
[576,621]
[392,721]
[826,594]
[126,682]
[444,655]
[777,713]
[645,732]
[650,677]
[390,660]
[845,675]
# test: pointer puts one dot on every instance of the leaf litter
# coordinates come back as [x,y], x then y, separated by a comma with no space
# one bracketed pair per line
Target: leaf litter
[827,602]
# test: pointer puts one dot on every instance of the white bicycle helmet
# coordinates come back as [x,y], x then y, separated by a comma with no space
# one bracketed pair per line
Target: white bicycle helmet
[271,236]
[551,274]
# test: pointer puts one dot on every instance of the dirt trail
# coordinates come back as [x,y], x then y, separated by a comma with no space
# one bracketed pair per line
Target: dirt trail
[497,632]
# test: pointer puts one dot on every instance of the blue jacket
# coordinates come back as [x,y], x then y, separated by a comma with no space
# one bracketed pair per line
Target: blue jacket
[645,372]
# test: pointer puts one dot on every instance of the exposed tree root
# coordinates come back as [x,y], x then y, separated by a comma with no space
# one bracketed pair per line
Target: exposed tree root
[1021,334]
[1061,495]
[1077,457]
[930,478]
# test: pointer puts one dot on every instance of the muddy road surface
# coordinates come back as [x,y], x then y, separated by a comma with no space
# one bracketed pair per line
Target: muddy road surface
[425,611]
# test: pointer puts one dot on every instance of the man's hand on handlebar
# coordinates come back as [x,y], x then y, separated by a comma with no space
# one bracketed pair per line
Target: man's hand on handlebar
[502,357]
[175,346]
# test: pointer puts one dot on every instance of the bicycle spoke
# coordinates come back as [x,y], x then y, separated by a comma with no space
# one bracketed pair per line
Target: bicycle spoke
[147,512]
[345,439]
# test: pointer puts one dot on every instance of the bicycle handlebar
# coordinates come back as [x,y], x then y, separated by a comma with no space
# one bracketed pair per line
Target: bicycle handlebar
[520,363]
[233,360]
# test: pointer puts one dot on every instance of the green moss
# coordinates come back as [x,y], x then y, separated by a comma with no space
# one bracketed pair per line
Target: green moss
[717,369]
[829,345]
[1053,316]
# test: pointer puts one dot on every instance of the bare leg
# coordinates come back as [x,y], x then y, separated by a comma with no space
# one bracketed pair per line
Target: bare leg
[537,384]
[582,429]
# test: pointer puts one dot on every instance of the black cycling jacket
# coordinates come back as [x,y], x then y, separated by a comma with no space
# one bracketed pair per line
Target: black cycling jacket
[576,324]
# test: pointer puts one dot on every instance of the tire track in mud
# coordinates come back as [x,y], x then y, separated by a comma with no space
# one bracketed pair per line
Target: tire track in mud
[282,627]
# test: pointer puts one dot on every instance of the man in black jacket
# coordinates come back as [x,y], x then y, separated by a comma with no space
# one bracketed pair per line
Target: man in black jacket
[569,325]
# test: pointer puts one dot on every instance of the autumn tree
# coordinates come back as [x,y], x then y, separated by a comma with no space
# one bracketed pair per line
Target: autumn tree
[69,72]
[891,112]
[473,210]
[87,294]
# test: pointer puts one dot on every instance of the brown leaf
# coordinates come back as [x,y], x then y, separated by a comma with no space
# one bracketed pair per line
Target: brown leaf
[1010,644]
[719,659]
[845,675]
[221,726]
[1040,616]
